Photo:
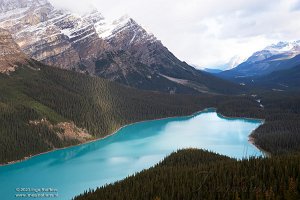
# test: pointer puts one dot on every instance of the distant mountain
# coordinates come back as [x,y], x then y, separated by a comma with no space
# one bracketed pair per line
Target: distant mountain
[213,71]
[121,51]
[282,80]
[283,55]
[232,63]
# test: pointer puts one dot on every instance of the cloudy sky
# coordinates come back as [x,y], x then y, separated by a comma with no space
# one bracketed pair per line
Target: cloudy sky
[206,33]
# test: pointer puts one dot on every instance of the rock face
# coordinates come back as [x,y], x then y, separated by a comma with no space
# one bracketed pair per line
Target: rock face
[54,37]
[11,55]
[140,60]
[122,51]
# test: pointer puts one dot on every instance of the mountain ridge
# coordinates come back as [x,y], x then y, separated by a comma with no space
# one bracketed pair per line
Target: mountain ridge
[272,58]
[83,42]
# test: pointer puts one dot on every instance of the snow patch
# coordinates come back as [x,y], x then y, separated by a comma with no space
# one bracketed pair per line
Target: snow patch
[67,32]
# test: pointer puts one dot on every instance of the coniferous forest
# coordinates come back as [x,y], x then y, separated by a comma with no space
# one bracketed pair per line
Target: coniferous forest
[101,107]
[96,105]
[198,174]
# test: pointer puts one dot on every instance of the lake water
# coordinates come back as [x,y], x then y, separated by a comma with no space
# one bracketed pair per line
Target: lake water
[136,147]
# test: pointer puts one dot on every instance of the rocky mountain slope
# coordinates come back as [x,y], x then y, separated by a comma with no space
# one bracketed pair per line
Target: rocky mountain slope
[52,36]
[10,54]
[281,56]
[121,51]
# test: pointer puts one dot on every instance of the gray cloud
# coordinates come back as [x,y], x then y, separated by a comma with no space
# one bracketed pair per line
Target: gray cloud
[206,32]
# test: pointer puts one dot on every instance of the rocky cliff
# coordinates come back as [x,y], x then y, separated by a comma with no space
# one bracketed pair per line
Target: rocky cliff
[10,54]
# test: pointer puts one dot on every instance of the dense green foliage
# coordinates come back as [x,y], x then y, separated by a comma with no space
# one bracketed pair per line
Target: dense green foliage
[198,174]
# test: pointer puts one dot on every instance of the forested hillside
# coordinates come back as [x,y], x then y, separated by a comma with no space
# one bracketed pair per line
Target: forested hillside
[197,174]
[281,132]
[281,80]
[285,80]
[44,108]
[35,102]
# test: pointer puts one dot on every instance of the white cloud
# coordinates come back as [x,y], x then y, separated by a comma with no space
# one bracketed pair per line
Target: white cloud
[207,32]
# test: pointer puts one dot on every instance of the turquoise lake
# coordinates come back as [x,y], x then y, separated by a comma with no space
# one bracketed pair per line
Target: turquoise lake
[135,147]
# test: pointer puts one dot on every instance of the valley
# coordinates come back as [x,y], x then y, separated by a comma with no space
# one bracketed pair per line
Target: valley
[99,108]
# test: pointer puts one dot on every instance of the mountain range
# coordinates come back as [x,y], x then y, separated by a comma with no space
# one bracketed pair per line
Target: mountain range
[276,67]
[280,56]
[121,51]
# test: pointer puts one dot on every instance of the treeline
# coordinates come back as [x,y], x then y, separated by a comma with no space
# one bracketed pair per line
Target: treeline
[197,174]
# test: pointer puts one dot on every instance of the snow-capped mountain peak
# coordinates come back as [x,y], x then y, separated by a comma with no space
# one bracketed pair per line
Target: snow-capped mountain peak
[124,27]
[47,33]
[275,57]
[230,64]
[121,50]
[235,61]
[279,51]
[107,30]
[282,47]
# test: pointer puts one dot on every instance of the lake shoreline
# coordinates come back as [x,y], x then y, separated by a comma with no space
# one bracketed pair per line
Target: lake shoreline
[114,132]
[252,141]
[97,139]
